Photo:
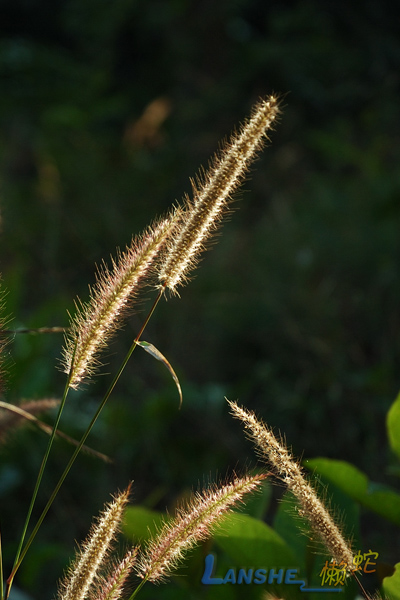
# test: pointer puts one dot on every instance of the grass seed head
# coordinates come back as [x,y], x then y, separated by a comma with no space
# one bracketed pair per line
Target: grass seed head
[110,298]
[288,470]
[91,556]
[193,523]
[212,192]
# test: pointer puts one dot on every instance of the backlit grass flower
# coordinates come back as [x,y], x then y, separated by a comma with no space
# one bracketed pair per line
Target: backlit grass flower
[212,192]
[193,523]
[112,586]
[111,296]
[90,558]
[288,470]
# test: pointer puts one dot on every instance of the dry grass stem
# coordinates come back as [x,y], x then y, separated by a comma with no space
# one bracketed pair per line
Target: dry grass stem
[290,472]
[112,295]
[212,191]
[90,558]
[193,523]
[13,416]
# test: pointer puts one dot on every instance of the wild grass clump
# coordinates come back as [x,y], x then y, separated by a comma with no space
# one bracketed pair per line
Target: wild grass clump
[161,258]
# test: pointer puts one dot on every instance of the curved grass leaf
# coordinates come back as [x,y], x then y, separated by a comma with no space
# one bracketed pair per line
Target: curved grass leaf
[157,354]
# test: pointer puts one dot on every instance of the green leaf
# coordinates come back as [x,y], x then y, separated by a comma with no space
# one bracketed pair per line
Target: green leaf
[296,532]
[379,498]
[393,426]
[288,524]
[157,354]
[391,585]
[251,542]
[140,523]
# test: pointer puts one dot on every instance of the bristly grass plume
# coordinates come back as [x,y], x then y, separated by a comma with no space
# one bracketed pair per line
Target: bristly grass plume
[112,586]
[111,296]
[90,559]
[212,192]
[184,235]
[192,524]
[162,256]
[290,473]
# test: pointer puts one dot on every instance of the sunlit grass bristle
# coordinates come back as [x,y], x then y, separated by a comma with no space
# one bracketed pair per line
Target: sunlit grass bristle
[289,471]
[212,191]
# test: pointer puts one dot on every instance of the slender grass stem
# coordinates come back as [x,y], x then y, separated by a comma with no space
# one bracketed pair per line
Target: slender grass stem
[153,308]
[137,590]
[34,330]
[36,489]
[21,553]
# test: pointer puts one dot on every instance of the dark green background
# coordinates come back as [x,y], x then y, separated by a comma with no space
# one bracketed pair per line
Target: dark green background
[294,313]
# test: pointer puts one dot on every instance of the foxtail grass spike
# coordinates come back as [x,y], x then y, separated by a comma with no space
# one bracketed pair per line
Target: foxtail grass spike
[275,452]
[112,587]
[192,524]
[110,297]
[90,558]
[212,192]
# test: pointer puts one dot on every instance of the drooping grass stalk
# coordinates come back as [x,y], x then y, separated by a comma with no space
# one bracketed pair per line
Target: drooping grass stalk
[25,412]
[34,330]
[287,469]
[21,554]
[3,341]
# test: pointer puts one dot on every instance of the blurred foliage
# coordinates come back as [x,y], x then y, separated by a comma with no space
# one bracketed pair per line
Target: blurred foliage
[106,110]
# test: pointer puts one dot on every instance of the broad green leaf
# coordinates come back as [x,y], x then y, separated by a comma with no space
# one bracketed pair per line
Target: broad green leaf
[296,532]
[157,354]
[141,523]
[379,498]
[257,504]
[393,426]
[391,585]
[290,526]
[251,542]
